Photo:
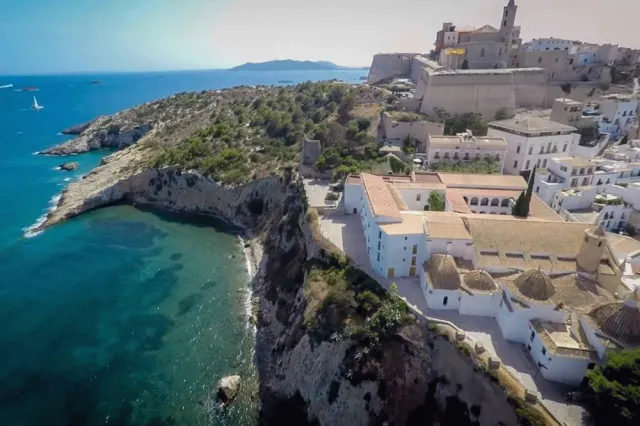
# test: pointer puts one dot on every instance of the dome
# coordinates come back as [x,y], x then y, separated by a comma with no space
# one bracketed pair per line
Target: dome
[480,280]
[535,284]
[619,320]
[443,272]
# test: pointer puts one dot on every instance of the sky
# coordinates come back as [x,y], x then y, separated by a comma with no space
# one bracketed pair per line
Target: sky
[54,36]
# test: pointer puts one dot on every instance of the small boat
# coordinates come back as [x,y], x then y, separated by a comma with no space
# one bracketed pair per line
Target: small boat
[36,106]
[6,86]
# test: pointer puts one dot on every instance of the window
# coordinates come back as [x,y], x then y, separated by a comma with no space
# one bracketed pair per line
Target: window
[526,165]
[436,155]
[564,148]
[544,163]
[537,189]
[378,256]
[466,156]
[484,202]
[533,335]
[495,202]
[544,350]
[418,197]
[548,147]
[446,155]
[379,243]
[540,60]
[538,163]
[413,261]
[541,150]
[415,249]
[482,53]
[505,202]
[379,234]
[515,164]
[530,150]
[455,155]
[518,149]
[445,300]
[474,201]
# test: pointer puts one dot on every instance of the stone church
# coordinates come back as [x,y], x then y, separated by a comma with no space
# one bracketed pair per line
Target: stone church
[479,48]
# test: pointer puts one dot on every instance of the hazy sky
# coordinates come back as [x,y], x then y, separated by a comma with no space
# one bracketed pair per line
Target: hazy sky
[40,36]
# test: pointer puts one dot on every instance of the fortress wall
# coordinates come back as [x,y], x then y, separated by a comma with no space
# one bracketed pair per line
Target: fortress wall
[478,93]
[530,88]
[417,67]
[388,65]
[417,129]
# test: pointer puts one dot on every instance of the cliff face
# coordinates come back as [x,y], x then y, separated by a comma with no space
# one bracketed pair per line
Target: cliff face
[421,378]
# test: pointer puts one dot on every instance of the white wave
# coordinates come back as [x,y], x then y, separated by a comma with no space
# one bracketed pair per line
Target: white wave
[247,302]
[57,168]
[66,179]
[33,231]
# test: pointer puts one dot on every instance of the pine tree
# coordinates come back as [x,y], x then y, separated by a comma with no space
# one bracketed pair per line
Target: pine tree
[517,207]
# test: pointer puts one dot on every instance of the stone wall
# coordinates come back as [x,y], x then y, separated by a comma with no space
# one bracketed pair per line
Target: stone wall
[416,129]
[389,65]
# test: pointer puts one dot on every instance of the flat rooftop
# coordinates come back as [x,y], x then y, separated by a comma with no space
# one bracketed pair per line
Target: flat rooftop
[459,180]
[574,161]
[480,142]
[531,125]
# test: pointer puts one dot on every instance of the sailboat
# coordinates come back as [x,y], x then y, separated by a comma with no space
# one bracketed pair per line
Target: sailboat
[36,107]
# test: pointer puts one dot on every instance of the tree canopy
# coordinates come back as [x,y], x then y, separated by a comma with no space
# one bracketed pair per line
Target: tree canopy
[615,388]
[436,201]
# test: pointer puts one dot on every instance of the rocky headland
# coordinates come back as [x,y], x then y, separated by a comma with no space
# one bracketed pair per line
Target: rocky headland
[332,347]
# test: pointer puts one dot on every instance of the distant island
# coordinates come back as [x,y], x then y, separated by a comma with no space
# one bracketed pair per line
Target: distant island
[289,65]
[94,82]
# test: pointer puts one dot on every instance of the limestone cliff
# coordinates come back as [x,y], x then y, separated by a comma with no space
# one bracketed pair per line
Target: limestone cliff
[420,379]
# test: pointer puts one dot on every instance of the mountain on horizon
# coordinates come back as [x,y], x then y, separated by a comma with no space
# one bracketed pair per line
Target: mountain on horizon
[288,65]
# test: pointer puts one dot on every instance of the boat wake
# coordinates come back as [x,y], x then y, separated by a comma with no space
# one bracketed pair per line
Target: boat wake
[33,230]
[6,86]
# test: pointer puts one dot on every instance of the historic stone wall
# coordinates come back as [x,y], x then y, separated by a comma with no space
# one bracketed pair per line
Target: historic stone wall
[388,65]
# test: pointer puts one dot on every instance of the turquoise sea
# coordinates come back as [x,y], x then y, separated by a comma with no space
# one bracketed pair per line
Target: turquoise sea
[120,316]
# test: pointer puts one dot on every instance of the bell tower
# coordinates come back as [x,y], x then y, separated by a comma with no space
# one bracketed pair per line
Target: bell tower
[592,249]
[506,32]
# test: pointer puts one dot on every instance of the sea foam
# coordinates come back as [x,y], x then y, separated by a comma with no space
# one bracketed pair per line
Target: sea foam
[33,230]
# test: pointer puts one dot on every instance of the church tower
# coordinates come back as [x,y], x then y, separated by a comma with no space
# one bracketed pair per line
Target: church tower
[592,249]
[506,33]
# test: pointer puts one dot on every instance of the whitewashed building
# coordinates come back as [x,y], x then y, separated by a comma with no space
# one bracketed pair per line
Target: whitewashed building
[465,147]
[533,141]
[549,284]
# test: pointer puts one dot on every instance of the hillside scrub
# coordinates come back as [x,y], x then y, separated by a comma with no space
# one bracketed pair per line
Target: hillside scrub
[247,137]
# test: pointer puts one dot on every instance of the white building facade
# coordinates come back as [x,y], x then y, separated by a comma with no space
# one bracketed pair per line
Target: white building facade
[533,141]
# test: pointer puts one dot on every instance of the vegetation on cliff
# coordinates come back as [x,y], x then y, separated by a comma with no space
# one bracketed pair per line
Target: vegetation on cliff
[615,389]
[254,132]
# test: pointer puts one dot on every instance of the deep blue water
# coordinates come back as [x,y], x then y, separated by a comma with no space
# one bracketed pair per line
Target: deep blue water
[120,316]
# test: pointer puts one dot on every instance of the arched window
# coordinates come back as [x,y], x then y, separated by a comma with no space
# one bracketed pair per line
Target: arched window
[474,201]
[495,202]
[505,202]
[484,202]
[466,200]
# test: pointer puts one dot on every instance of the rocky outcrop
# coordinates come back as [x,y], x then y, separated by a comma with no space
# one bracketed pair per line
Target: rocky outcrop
[228,388]
[76,130]
[101,134]
[69,166]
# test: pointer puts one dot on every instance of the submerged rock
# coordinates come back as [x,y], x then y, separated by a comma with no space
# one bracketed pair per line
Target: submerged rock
[69,166]
[228,388]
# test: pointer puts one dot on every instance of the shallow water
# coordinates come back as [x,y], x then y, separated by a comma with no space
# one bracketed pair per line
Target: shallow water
[119,316]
